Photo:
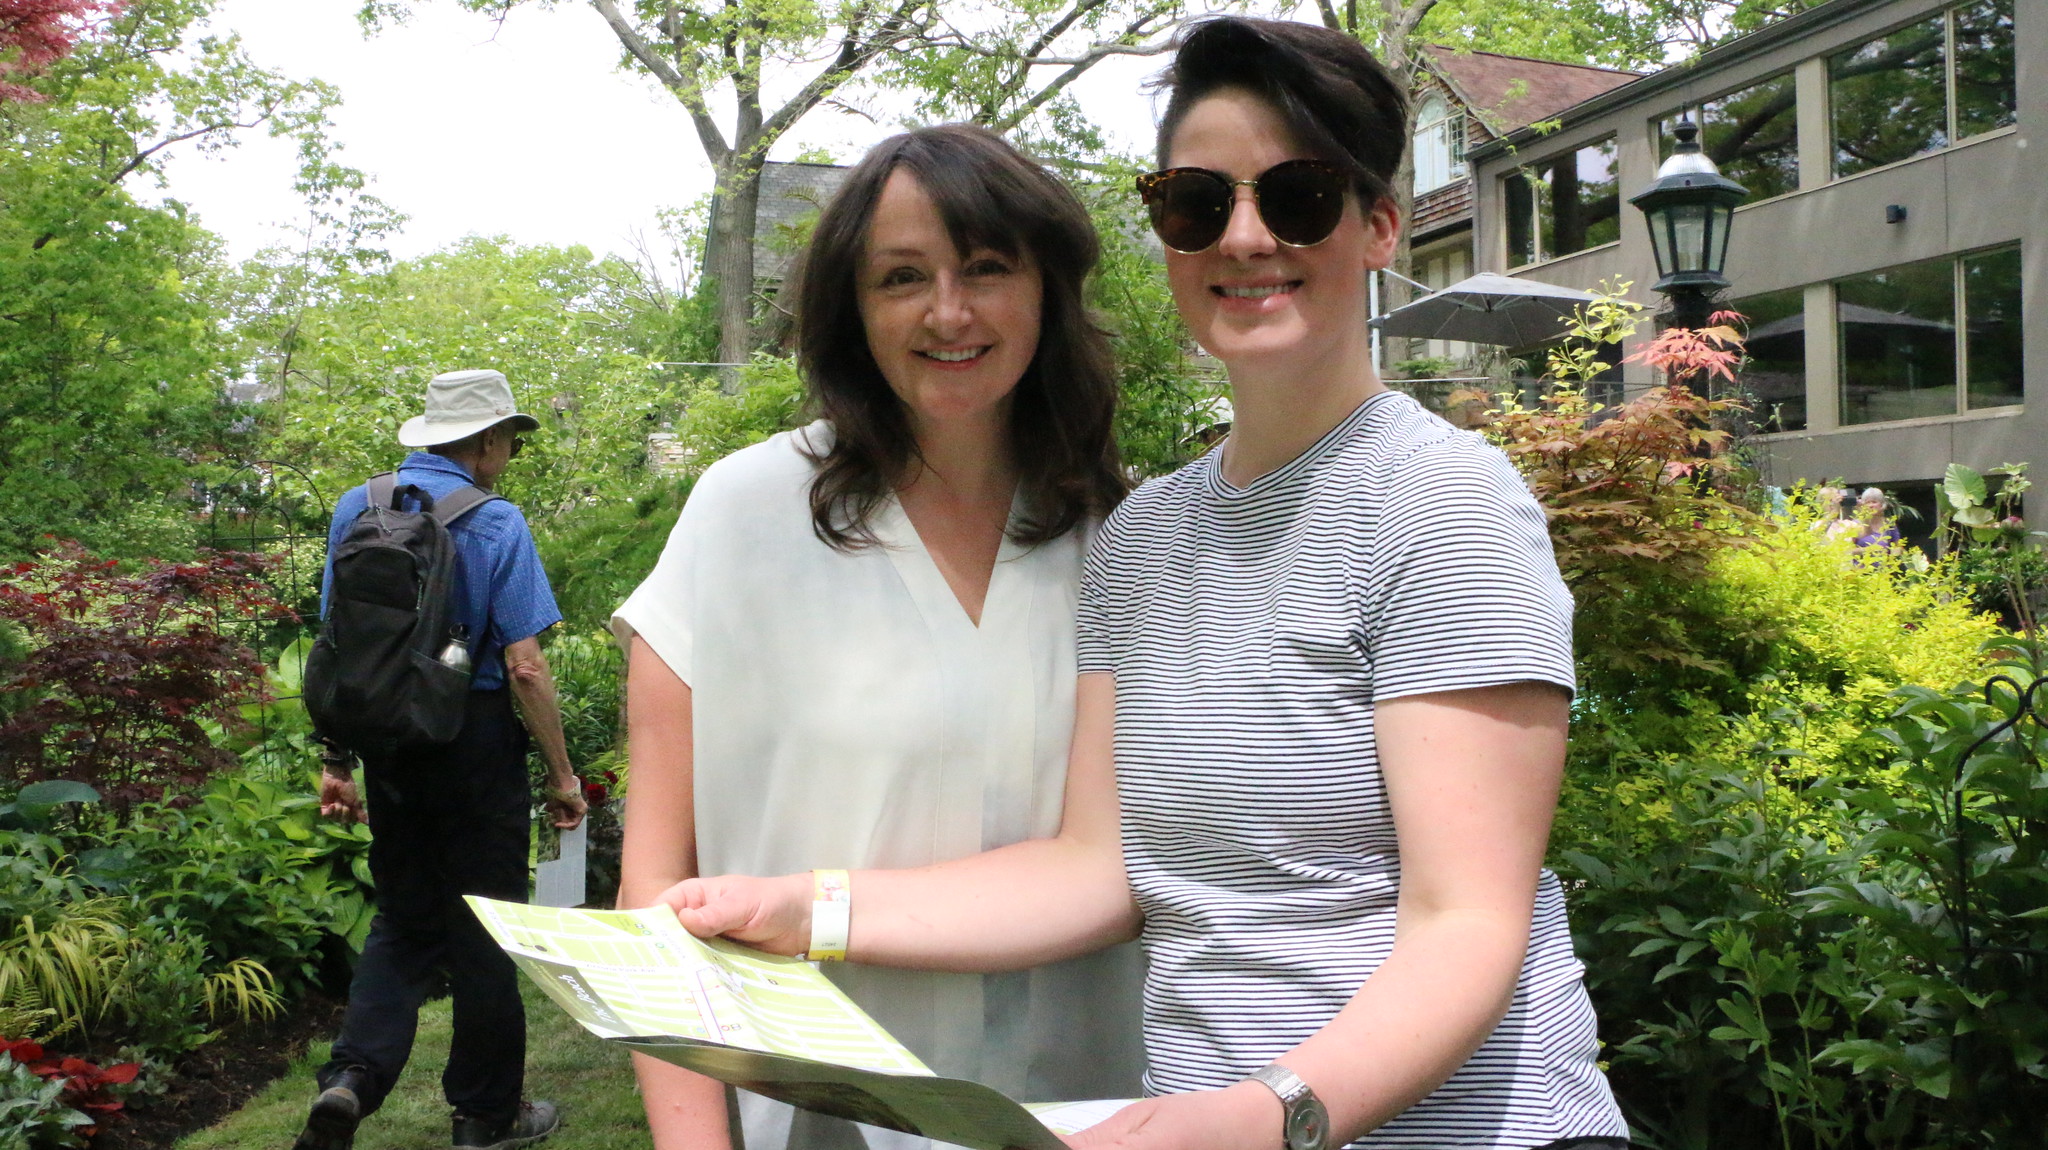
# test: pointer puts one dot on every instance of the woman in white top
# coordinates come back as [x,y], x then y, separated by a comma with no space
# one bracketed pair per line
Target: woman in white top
[1326,672]
[858,645]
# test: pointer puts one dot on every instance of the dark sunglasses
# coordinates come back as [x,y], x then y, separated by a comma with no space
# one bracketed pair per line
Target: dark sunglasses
[1300,202]
[518,445]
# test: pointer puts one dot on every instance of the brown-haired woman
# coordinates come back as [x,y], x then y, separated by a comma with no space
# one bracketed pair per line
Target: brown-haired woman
[1325,680]
[858,644]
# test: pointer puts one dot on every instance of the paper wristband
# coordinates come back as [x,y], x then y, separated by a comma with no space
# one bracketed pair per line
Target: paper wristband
[831,915]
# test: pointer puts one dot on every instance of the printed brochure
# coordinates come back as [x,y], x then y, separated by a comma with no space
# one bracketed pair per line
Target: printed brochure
[761,1022]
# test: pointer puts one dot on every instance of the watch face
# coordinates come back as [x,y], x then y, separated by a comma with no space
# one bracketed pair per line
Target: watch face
[1308,1125]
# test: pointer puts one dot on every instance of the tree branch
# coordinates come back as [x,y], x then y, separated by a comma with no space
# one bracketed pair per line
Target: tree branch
[1410,19]
[686,88]
[1093,56]
[1058,27]
[853,55]
[1078,66]
[142,157]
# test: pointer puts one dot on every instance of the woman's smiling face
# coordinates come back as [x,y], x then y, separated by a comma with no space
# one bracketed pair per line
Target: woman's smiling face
[1249,299]
[952,333]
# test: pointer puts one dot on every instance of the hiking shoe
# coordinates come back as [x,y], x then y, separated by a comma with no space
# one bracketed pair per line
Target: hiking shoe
[532,1122]
[331,1124]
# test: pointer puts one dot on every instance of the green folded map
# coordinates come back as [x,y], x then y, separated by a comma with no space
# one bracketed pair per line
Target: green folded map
[761,1022]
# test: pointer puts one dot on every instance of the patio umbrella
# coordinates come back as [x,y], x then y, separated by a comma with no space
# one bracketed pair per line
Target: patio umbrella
[1488,308]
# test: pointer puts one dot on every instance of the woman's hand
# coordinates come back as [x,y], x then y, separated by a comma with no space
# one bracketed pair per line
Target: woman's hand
[1247,1116]
[771,914]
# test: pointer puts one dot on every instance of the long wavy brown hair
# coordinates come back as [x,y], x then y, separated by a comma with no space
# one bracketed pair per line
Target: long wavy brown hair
[990,196]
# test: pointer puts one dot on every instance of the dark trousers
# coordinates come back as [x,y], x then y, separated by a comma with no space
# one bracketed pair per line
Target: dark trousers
[445,821]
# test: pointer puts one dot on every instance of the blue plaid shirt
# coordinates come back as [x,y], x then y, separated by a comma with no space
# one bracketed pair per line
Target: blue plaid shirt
[501,590]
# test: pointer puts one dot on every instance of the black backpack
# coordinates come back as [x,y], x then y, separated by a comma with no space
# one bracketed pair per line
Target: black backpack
[374,679]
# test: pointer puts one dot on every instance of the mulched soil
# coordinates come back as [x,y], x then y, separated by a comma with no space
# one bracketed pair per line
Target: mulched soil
[219,1077]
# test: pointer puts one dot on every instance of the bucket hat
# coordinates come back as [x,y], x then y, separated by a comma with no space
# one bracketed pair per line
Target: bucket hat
[462,403]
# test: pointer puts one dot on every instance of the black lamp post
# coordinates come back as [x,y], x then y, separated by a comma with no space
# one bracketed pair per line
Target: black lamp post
[1689,208]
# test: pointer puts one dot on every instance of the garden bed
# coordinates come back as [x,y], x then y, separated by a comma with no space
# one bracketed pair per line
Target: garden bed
[220,1077]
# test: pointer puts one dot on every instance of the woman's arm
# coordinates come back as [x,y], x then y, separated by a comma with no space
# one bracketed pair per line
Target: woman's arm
[683,1109]
[1015,907]
[1472,778]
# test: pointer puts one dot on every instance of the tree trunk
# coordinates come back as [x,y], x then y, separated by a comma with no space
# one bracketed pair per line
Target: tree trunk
[1394,292]
[736,198]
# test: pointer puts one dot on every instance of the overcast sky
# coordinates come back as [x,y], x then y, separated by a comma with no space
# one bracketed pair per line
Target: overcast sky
[526,129]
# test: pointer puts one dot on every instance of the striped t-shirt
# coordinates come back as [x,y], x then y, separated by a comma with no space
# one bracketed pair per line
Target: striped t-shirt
[1251,630]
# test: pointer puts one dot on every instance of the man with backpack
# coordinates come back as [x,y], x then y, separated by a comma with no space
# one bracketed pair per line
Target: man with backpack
[433,601]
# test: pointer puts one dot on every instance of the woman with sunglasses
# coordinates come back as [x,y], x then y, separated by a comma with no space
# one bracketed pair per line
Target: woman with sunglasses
[1322,709]
[858,646]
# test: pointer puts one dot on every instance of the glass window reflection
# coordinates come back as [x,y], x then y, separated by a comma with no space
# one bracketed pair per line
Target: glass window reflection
[1563,205]
[1751,135]
[1987,83]
[1890,98]
[1896,331]
[1992,319]
[1773,380]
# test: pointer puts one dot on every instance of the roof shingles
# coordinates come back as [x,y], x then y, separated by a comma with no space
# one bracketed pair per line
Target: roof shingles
[1510,92]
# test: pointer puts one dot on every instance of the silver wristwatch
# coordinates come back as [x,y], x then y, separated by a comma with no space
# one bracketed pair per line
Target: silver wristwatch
[1305,1125]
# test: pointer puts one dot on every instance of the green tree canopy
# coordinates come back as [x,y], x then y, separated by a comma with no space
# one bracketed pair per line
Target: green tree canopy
[569,330]
[111,363]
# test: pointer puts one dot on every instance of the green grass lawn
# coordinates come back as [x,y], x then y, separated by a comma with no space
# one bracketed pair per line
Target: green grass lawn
[590,1079]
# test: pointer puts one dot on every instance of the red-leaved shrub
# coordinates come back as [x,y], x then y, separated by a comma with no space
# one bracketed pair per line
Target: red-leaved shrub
[121,668]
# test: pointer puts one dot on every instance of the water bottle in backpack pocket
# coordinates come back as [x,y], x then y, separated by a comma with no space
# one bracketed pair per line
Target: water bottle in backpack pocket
[382,672]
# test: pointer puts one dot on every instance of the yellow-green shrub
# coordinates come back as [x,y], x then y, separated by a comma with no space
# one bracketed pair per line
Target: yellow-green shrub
[1813,635]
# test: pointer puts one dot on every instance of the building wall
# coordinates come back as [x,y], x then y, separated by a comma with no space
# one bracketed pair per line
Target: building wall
[1983,192]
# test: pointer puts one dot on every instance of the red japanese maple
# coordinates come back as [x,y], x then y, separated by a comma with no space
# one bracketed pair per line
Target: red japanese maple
[36,33]
[125,669]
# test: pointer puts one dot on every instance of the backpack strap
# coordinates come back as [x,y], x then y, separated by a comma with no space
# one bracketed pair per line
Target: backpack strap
[460,502]
[381,486]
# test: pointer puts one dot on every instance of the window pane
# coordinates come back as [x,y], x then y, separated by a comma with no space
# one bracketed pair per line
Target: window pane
[1563,205]
[1774,379]
[1518,198]
[1751,135]
[1595,213]
[1890,98]
[1991,311]
[1987,87]
[1432,156]
[1897,334]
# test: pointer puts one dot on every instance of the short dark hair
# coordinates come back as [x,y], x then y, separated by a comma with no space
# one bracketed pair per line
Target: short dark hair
[990,196]
[1340,102]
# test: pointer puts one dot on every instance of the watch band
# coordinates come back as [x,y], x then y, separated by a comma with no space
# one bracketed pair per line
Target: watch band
[1305,1124]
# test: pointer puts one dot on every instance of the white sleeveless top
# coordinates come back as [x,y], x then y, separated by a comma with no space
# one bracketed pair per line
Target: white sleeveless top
[848,714]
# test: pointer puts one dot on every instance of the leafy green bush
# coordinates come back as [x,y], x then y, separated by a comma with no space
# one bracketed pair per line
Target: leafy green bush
[1753,822]
[1163,401]
[1997,558]
[1796,962]
[714,424]
[155,930]
[589,675]
[597,555]
[105,970]
[1810,636]
[255,871]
